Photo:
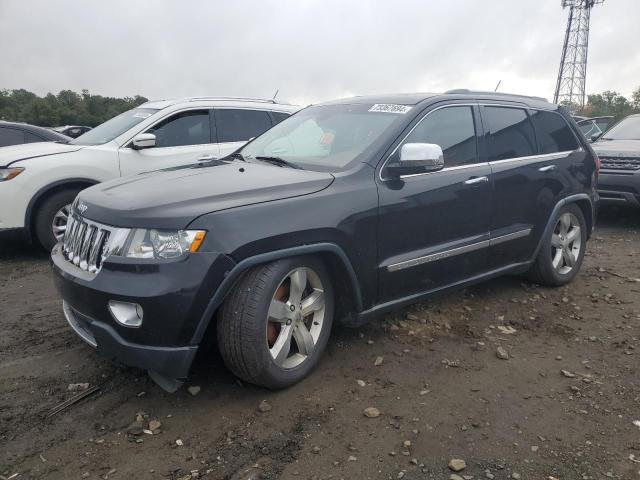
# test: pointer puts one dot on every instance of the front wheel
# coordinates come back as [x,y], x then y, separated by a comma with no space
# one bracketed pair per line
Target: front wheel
[274,326]
[52,216]
[562,252]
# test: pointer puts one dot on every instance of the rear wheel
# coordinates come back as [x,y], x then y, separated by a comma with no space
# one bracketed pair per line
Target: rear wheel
[52,216]
[562,252]
[275,325]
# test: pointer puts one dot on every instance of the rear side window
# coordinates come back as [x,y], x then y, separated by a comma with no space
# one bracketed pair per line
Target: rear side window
[10,136]
[32,138]
[554,135]
[510,133]
[186,128]
[279,116]
[241,125]
[453,129]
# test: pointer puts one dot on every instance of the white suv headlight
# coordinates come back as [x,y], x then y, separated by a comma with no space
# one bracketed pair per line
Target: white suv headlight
[153,243]
[9,173]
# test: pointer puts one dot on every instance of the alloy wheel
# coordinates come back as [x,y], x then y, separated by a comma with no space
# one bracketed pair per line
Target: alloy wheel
[566,242]
[59,223]
[295,318]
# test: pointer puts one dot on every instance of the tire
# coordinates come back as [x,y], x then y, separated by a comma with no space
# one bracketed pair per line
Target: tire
[252,322]
[43,222]
[546,269]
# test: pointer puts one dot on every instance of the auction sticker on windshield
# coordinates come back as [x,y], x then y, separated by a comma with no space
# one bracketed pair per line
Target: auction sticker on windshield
[390,108]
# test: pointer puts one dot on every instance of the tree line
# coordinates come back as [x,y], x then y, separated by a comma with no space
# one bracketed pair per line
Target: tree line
[71,108]
[611,103]
[65,108]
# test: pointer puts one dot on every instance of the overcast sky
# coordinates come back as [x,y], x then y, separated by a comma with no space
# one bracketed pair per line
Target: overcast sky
[311,50]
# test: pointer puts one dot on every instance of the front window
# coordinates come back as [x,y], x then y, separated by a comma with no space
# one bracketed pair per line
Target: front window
[186,128]
[627,129]
[113,128]
[325,138]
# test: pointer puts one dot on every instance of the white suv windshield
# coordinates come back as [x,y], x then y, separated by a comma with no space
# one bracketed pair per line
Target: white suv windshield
[324,138]
[627,129]
[113,128]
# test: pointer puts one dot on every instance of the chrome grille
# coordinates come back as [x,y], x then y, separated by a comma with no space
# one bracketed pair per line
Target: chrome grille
[620,163]
[86,243]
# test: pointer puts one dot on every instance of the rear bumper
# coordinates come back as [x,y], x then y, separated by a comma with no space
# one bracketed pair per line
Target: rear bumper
[619,188]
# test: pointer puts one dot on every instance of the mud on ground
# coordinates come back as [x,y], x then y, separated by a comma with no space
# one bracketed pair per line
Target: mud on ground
[441,390]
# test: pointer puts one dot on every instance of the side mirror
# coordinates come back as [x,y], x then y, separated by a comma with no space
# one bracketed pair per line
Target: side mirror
[143,140]
[418,158]
[595,136]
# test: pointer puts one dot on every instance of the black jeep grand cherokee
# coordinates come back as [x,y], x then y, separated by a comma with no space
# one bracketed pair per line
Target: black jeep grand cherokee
[344,211]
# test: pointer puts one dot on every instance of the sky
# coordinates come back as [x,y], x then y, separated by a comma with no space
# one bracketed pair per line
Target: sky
[308,50]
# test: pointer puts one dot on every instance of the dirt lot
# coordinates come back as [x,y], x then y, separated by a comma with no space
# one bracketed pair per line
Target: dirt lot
[441,390]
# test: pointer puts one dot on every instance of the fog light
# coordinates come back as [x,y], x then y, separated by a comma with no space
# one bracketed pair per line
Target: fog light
[125,313]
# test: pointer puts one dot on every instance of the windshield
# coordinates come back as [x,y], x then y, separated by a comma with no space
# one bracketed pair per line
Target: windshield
[627,129]
[113,128]
[325,138]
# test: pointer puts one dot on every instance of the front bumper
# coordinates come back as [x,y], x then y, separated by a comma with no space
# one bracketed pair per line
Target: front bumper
[619,187]
[173,295]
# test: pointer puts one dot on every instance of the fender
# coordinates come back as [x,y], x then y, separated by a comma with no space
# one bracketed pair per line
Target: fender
[47,188]
[231,278]
[550,223]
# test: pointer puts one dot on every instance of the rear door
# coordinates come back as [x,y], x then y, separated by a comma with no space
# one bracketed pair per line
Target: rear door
[236,126]
[433,228]
[530,176]
[182,138]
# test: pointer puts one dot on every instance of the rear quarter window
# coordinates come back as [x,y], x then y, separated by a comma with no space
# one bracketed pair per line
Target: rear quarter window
[554,134]
[279,116]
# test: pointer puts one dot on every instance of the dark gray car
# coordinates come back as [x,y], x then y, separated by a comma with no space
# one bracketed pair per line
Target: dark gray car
[15,133]
[619,152]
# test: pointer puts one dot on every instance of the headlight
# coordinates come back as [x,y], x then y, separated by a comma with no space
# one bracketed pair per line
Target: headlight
[9,173]
[144,243]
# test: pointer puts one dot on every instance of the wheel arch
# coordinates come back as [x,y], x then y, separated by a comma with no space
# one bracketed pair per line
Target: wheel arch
[334,257]
[583,201]
[45,192]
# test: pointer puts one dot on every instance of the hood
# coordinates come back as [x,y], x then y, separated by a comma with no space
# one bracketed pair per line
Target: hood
[15,153]
[615,148]
[173,198]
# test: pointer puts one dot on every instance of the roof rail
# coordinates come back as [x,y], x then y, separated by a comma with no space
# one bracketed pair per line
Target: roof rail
[235,99]
[466,91]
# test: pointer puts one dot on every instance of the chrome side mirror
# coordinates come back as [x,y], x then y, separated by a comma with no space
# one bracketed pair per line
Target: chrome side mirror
[418,158]
[143,140]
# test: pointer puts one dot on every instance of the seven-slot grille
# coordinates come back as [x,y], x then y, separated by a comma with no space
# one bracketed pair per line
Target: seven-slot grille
[85,243]
[620,163]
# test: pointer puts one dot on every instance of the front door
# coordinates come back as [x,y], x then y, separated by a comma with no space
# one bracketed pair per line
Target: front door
[433,228]
[181,139]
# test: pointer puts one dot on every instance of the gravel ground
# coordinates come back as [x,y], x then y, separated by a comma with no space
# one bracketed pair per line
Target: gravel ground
[562,405]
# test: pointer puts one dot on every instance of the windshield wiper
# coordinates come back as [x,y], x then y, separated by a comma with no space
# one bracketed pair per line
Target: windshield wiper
[237,155]
[281,162]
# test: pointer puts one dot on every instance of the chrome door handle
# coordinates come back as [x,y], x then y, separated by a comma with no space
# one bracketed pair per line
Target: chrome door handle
[548,168]
[204,158]
[476,180]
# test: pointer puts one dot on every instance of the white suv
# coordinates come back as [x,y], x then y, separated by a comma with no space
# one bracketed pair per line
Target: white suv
[39,181]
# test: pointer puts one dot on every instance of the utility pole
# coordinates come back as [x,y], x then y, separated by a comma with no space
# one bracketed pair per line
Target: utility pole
[570,86]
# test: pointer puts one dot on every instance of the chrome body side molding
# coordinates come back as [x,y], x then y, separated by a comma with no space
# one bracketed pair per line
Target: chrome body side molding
[458,250]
